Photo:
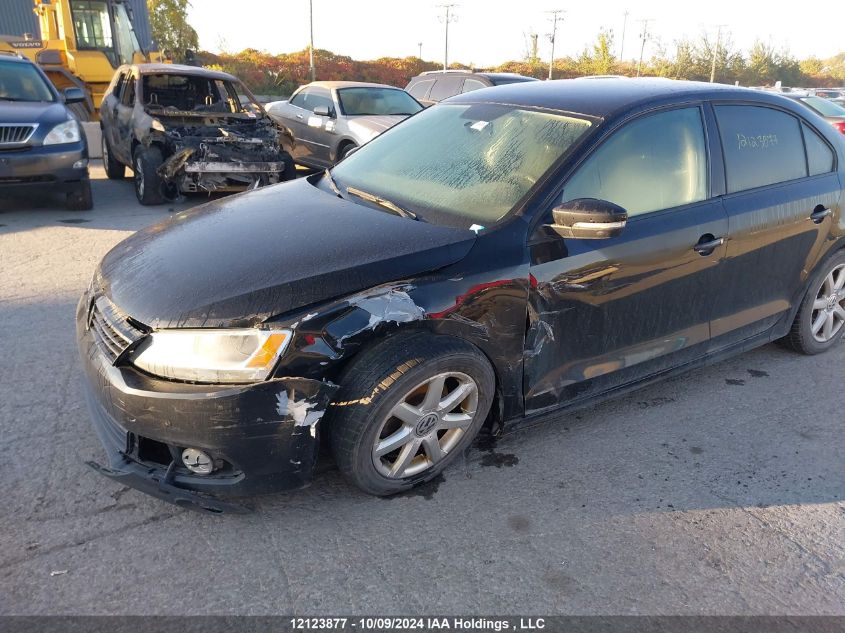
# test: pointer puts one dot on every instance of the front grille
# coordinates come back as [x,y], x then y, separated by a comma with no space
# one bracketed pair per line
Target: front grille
[112,329]
[16,134]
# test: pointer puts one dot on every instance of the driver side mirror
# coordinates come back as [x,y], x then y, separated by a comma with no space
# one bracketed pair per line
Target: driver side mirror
[323,111]
[73,95]
[589,219]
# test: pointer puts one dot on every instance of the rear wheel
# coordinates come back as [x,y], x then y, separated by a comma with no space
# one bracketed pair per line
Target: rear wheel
[820,320]
[81,198]
[114,169]
[149,187]
[406,409]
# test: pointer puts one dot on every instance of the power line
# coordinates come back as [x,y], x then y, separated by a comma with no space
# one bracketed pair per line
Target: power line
[644,35]
[556,17]
[449,17]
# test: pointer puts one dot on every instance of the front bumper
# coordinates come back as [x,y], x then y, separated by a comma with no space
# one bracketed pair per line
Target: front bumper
[51,165]
[261,443]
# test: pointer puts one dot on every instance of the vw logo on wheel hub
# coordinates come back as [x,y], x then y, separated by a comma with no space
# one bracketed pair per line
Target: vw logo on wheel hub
[426,424]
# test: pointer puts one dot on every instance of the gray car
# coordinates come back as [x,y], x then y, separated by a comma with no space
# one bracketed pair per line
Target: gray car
[328,119]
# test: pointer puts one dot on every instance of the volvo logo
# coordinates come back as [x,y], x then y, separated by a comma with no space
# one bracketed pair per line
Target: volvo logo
[426,424]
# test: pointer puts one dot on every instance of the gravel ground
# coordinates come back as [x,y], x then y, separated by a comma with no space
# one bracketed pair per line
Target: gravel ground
[720,492]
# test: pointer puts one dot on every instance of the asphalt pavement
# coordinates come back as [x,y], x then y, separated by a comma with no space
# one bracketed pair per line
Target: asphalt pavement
[719,492]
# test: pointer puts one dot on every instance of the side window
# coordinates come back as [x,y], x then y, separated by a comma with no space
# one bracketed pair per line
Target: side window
[655,162]
[762,146]
[117,90]
[420,89]
[819,155]
[473,84]
[128,96]
[299,98]
[320,97]
[446,87]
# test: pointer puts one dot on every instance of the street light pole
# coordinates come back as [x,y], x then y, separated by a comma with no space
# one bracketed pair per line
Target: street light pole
[622,43]
[450,17]
[311,47]
[644,36]
[555,19]
[716,52]
[420,45]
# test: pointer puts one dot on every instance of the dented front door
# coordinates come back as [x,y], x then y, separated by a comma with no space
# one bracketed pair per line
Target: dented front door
[607,312]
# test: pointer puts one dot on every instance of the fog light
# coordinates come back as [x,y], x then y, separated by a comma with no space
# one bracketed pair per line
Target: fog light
[82,162]
[197,461]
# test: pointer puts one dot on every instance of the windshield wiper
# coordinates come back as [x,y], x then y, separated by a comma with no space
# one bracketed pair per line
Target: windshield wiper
[332,183]
[382,202]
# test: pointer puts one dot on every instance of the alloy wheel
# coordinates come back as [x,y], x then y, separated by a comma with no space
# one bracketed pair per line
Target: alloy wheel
[828,311]
[425,425]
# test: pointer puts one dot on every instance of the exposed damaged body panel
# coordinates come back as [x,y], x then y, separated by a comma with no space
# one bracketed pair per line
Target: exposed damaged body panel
[221,153]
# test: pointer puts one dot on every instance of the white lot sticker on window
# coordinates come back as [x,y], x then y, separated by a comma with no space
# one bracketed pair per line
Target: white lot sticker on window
[760,141]
[315,121]
[479,125]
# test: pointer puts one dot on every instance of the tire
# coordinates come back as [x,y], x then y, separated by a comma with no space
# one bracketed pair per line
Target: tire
[344,151]
[820,321]
[114,169]
[397,375]
[290,167]
[81,198]
[149,187]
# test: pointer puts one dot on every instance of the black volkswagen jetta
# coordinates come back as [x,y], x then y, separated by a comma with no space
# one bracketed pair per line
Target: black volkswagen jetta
[512,251]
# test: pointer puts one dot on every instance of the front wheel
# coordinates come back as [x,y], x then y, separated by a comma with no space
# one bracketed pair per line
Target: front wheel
[406,409]
[820,320]
[149,187]
[80,198]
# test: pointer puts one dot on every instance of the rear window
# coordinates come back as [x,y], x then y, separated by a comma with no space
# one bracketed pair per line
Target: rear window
[420,89]
[445,88]
[762,146]
[501,81]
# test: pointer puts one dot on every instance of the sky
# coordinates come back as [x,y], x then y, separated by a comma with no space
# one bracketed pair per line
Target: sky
[487,33]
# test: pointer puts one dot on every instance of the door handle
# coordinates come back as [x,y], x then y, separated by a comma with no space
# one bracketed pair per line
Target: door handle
[299,116]
[819,214]
[707,244]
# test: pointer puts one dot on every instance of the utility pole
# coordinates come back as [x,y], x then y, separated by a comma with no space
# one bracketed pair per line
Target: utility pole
[534,48]
[644,36]
[420,45]
[556,17]
[716,52]
[449,17]
[311,47]
[622,43]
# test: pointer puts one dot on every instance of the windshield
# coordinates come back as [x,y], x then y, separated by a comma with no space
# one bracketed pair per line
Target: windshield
[23,82]
[461,164]
[824,106]
[376,101]
[194,93]
[127,42]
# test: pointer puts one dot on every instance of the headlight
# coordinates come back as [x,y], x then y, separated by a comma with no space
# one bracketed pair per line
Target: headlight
[157,125]
[67,132]
[216,356]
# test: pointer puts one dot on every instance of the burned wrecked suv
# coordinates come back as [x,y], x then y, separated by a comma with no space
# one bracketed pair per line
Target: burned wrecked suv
[187,129]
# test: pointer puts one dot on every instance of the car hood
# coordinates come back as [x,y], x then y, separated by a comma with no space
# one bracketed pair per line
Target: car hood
[366,127]
[44,113]
[244,259]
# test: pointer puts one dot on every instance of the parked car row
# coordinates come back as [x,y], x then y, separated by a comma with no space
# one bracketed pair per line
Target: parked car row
[516,250]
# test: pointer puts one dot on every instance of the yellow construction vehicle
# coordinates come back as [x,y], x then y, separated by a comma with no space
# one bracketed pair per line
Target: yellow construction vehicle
[81,44]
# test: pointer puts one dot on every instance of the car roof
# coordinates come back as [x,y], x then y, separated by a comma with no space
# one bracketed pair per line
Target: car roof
[347,84]
[180,69]
[603,97]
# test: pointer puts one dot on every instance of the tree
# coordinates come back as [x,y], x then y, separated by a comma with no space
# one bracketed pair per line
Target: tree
[601,60]
[170,28]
